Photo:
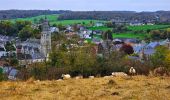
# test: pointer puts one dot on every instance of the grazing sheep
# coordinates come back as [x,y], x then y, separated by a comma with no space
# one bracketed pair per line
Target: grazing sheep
[132,71]
[91,77]
[36,81]
[107,76]
[160,71]
[79,77]
[119,74]
[66,76]
[59,80]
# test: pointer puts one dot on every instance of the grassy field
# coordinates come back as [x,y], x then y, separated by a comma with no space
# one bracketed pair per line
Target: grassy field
[146,27]
[129,35]
[117,88]
[102,28]
[53,19]
[68,22]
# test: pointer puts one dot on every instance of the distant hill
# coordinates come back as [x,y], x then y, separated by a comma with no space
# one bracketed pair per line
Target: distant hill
[160,16]
[12,14]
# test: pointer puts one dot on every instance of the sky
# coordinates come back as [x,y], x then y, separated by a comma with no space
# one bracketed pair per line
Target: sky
[87,5]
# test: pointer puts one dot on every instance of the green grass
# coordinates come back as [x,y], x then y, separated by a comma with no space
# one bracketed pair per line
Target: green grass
[146,27]
[69,22]
[129,35]
[53,19]
[102,28]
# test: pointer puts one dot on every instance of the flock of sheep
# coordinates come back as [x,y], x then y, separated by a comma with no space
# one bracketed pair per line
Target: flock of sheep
[132,72]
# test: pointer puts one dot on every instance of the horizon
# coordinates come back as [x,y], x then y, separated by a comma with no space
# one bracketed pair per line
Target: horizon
[88,5]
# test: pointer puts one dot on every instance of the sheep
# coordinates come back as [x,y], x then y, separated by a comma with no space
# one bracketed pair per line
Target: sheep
[160,71]
[66,76]
[132,71]
[59,80]
[107,76]
[91,77]
[119,74]
[79,77]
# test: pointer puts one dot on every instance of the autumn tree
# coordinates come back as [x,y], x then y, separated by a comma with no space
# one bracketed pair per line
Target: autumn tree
[128,49]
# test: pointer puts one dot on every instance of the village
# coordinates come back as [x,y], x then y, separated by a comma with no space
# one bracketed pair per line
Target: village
[34,50]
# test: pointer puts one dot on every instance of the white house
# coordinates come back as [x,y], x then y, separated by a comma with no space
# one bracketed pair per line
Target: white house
[99,24]
[2,51]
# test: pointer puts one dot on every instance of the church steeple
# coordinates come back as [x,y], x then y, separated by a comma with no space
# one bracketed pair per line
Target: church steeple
[45,38]
[45,25]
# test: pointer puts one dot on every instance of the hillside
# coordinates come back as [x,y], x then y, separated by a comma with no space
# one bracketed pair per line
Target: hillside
[53,19]
[12,14]
[137,88]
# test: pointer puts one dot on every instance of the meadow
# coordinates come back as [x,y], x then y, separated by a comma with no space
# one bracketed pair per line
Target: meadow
[115,88]
[101,28]
[53,19]
[147,27]
[129,35]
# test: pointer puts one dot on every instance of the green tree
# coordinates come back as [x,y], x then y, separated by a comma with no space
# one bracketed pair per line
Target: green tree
[25,33]
[158,59]
[155,34]
[1,74]
[108,35]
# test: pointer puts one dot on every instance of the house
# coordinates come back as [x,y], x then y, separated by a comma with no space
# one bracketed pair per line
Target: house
[13,74]
[136,23]
[2,51]
[54,29]
[118,21]
[35,50]
[99,24]
[97,40]
[10,72]
[104,48]
[147,50]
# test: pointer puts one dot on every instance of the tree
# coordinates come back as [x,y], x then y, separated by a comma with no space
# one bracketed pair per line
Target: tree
[25,33]
[110,24]
[61,27]
[160,55]
[1,74]
[167,61]
[155,35]
[128,49]
[7,28]
[108,35]
[21,24]
[9,47]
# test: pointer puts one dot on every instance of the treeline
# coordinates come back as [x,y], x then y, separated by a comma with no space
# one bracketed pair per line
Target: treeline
[21,29]
[160,34]
[161,16]
[11,14]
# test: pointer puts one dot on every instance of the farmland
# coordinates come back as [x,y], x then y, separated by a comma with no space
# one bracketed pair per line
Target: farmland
[53,19]
[129,35]
[147,27]
[102,28]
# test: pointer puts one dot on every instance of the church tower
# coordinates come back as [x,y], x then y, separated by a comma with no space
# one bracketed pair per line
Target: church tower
[45,38]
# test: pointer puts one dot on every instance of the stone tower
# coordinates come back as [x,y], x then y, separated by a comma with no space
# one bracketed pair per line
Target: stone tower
[45,38]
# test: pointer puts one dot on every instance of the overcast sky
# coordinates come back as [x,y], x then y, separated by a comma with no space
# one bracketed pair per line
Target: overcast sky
[90,5]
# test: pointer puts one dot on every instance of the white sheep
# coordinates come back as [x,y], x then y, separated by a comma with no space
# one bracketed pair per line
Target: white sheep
[119,74]
[107,76]
[91,77]
[66,76]
[59,80]
[79,77]
[132,71]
